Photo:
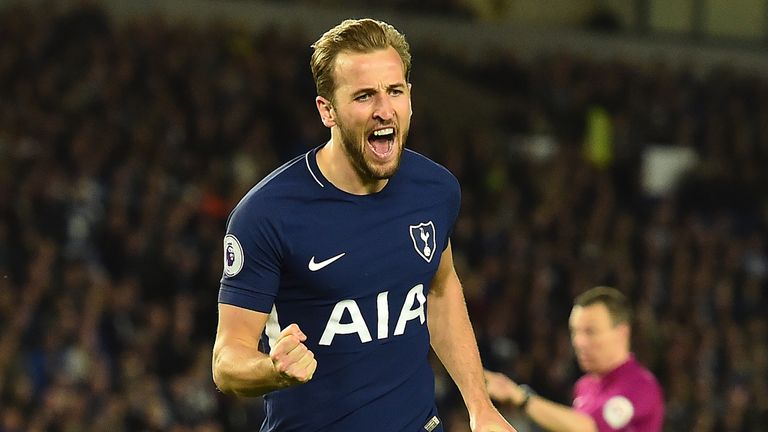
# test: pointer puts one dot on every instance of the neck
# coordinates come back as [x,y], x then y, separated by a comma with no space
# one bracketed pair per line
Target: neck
[618,361]
[338,169]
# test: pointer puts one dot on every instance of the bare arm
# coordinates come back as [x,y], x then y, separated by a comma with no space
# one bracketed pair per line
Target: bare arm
[241,369]
[453,340]
[558,418]
[550,415]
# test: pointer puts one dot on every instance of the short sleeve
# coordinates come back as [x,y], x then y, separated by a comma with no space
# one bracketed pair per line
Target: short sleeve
[252,258]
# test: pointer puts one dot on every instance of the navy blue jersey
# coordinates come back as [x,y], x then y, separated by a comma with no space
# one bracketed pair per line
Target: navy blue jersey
[353,271]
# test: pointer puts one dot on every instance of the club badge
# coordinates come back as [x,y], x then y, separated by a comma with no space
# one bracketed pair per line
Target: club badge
[423,236]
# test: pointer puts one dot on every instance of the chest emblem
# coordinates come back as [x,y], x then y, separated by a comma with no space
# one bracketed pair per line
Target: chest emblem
[618,411]
[423,236]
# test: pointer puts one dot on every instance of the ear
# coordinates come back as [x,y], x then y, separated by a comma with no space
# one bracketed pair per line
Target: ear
[325,109]
[625,330]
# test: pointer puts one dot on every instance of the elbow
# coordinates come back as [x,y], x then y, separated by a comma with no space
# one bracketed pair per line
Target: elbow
[218,371]
[233,375]
[221,383]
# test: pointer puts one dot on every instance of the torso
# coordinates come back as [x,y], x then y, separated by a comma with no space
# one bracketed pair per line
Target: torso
[627,399]
[364,312]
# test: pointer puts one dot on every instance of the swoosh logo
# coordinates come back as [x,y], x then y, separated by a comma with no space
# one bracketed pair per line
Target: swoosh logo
[315,266]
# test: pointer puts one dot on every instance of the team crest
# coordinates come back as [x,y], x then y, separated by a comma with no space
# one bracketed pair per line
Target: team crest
[233,256]
[423,236]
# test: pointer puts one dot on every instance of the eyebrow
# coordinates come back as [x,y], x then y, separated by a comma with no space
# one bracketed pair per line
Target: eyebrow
[396,86]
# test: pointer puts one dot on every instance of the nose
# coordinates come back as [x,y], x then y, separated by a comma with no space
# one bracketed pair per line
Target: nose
[383,109]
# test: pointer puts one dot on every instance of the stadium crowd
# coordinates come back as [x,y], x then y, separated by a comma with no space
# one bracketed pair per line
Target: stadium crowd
[123,148]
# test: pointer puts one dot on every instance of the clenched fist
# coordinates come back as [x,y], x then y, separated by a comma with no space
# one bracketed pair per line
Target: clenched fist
[291,358]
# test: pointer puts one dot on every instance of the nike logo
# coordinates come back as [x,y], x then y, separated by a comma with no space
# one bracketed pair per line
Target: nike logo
[315,266]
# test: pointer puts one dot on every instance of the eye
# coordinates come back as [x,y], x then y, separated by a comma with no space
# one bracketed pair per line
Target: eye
[395,92]
[363,97]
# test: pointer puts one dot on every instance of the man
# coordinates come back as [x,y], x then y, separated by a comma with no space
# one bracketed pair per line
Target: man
[342,258]
[615,394]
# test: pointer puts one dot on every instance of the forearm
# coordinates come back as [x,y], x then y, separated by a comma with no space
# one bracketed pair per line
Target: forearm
[244,371]
[453,340]
[558,418]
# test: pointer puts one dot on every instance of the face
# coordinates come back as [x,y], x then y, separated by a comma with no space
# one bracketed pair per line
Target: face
[597,342]
[371,111]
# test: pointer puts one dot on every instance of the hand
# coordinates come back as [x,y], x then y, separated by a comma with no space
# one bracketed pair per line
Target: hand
[291,358]
[503,389]
[489,420]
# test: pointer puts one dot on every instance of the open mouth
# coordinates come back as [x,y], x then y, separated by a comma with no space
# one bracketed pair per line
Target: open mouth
[382,141]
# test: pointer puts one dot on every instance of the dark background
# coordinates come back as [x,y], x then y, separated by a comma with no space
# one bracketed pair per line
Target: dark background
[127,136]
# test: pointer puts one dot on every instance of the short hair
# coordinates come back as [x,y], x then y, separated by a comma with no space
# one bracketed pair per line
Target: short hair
[357,36]
[617,303]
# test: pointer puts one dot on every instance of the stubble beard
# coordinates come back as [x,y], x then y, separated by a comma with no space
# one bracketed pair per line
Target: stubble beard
[355,148]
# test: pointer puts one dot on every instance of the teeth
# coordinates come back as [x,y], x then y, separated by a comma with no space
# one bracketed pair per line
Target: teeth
[382,132]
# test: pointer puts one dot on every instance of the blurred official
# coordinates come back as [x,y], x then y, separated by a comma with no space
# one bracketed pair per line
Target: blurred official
[616,393]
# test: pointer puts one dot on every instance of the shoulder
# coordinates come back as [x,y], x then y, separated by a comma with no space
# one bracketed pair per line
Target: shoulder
[584,382]
[425,177]
[286,182]
[416,164]
[428,177]
[642,389]
[642,379]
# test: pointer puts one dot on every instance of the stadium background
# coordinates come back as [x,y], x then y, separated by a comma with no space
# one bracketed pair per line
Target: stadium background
[597,142]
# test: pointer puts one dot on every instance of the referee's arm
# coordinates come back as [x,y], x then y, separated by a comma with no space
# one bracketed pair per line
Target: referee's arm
[550,415]
[556,417]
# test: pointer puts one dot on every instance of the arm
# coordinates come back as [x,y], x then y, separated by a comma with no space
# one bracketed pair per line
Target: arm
[550,415]
[453,340]
[239,368]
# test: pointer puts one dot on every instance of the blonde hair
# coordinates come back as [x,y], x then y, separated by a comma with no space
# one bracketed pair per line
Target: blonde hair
[358,36]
